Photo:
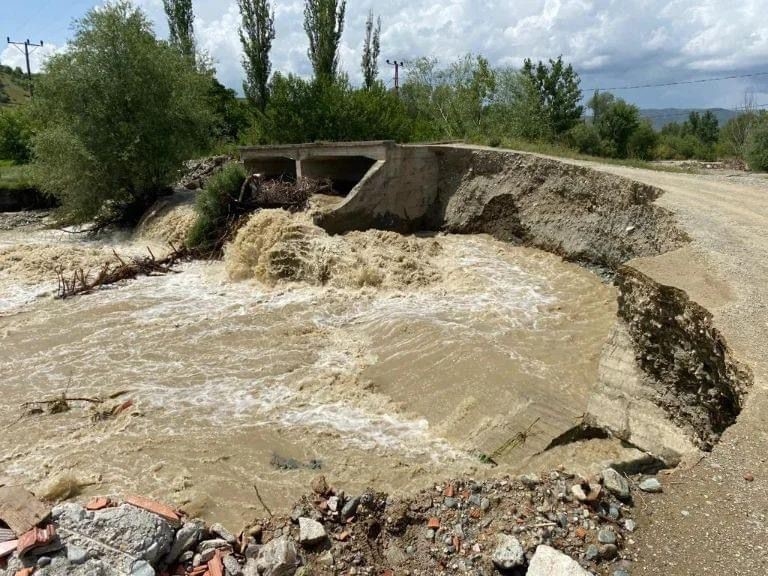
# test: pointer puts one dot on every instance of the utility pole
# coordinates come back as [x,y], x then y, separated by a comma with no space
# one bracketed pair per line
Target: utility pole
[27,45]
[397,66]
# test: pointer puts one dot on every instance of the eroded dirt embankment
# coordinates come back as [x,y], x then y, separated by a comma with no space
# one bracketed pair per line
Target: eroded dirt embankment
[668,382]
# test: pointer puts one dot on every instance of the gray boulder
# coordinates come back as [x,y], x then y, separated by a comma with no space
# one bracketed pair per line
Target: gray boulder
[547,561]
[311,531]
[278,557]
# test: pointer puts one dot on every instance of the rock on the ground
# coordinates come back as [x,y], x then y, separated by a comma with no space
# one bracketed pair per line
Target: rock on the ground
[186,539]
[650,485]
[615,483]
[116,537]
[311,531]
[219,530]
[142,568]
[508,553]
[276,558]
[547,561]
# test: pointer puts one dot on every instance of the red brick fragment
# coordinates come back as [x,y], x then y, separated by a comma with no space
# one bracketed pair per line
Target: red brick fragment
[35,538]
[433,523]
[25,572]
[581,533]
[449,491]
[97,503]
[215,566]
[158,508]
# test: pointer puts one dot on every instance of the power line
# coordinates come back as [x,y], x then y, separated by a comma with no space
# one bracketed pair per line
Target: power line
[663,84]
[27,45]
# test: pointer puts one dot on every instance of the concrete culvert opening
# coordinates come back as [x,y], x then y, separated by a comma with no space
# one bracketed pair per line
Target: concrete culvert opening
[344,172]
[279,168]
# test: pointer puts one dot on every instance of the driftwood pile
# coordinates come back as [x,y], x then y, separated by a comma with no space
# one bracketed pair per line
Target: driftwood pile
[281,193]
[82,282]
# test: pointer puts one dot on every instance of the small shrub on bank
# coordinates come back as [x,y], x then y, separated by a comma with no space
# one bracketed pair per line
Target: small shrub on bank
[213,207]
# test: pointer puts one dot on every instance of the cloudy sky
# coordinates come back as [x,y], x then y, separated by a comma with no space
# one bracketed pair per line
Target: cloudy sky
[612,43]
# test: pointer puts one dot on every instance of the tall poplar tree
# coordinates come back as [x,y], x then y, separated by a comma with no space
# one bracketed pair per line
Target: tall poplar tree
[181,20]
[257,31]
[371,49]
[324,24]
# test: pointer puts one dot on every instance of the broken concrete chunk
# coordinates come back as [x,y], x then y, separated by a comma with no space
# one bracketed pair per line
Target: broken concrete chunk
[547,561]
[20,509]
[311,531]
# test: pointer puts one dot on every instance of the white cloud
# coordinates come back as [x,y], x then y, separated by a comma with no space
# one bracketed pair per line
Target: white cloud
[13,56]
[610,42]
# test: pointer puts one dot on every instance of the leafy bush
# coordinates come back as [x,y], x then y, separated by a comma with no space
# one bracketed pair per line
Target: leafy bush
[642,142]
[757,148]
[584,138]
[15,135]
[119,112]
[213,207]
[673,147]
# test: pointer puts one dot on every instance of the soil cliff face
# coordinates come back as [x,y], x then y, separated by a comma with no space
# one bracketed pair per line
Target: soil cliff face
[575,212]
[667,381]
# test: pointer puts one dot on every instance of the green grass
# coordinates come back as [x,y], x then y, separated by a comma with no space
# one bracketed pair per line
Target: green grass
[13,177]
[560,151]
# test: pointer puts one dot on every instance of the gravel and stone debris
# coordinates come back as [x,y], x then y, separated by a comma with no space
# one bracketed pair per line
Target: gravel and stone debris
[531,525]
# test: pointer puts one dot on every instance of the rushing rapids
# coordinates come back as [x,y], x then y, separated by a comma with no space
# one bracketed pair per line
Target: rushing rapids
[382,359]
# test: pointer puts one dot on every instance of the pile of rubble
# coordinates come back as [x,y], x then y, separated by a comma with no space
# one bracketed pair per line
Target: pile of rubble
[197,172]
[534,525]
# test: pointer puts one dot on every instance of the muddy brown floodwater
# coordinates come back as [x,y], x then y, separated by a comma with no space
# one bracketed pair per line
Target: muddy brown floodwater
[393,364]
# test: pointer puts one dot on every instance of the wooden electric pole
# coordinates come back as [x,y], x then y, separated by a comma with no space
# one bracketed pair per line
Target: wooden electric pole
[27,45]
[397,66]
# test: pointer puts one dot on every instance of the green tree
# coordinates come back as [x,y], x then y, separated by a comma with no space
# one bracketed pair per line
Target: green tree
[371,49]
[118,113]
[599,103]
[452,102]
[555,90]
[231,116]
[735,133]
[257,30]
[181,20]
[616,124]
[705,127]
[757,147]
[15,134]
[305,111]
[642,142]
[324,24]
[585,138]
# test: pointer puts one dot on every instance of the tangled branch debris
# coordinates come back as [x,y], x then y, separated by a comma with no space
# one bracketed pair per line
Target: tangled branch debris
[81,282]
[281,193]
[101,406]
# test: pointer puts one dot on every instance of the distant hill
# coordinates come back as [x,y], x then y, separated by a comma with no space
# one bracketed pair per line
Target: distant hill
[660,117]
[13,86]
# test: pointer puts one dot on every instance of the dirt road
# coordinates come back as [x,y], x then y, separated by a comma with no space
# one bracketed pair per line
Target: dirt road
[710,519]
